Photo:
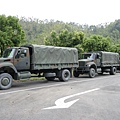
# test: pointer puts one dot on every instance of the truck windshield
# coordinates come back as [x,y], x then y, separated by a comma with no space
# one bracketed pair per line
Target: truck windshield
[88,56]
[9,53]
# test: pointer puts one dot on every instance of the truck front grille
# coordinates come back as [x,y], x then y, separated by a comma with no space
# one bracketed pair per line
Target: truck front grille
[81,63]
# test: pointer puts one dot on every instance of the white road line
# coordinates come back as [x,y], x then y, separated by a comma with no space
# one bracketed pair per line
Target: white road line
[47,86]
[61,104]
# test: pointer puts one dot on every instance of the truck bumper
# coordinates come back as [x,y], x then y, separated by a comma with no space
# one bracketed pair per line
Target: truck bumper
[83,70]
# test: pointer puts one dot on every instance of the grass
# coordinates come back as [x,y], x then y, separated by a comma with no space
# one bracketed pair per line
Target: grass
[33,78]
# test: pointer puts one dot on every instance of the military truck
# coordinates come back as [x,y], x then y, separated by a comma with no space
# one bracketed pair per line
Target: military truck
[97,62]
[47,61]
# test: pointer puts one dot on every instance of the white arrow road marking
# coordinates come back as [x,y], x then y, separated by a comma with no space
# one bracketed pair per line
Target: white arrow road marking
[61,104]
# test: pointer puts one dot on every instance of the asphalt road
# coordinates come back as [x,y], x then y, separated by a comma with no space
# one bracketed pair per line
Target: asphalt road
[80,98]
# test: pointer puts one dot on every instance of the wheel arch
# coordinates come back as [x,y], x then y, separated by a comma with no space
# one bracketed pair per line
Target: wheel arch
[9,68]
[93,65]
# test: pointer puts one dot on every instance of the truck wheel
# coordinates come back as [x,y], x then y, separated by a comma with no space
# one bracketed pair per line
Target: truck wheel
[113,70]
[75,73]
[65,75]
[92,73]
[5,81]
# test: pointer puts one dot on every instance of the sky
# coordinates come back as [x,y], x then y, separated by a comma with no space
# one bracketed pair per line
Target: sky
[91,12]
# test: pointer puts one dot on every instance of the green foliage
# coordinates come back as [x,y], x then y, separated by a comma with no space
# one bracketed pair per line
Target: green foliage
[11,33]
[115,48]
[37,30]
[96,43]
[57,33]
[65,38]
[111,30]
[80,49]
[53,40]
[104,37]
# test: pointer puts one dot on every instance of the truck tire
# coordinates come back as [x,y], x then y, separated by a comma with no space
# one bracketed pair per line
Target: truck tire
[65,75]
[92,72]
[113,70]
[5,81]
[75,73]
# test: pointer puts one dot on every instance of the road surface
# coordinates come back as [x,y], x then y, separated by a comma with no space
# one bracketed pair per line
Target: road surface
[80,98]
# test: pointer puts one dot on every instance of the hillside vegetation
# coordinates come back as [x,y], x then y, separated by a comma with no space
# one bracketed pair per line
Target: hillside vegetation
[16,31]
[37,30]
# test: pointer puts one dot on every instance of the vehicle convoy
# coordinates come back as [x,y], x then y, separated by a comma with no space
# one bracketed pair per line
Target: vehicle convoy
[99,61]
[47,61]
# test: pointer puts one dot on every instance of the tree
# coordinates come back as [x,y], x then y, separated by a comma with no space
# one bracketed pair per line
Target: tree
[53,39]
[80,50]
[11,33]
[65,38]
[115,48]
[96,43]
[36,30]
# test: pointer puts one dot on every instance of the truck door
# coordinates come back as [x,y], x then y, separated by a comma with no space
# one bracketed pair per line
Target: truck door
[22,59]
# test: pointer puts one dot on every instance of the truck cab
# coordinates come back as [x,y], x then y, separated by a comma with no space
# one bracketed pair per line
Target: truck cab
[18,56]
[88,64]
[14,61]
[91,57]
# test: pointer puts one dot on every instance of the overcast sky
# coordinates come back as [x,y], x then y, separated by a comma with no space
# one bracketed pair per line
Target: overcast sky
[90,12]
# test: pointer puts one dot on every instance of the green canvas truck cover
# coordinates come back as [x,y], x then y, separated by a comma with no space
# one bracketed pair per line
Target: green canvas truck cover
[48,55]
[110,58]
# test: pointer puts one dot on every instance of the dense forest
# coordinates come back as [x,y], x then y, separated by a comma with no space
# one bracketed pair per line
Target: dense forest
[37,30]
[16,31]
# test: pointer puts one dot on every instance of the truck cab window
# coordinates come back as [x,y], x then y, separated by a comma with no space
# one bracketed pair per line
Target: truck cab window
[24,51]
[85,56]
[21,53]
[89,56]
[18,53]
[92,57]
[9,53]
